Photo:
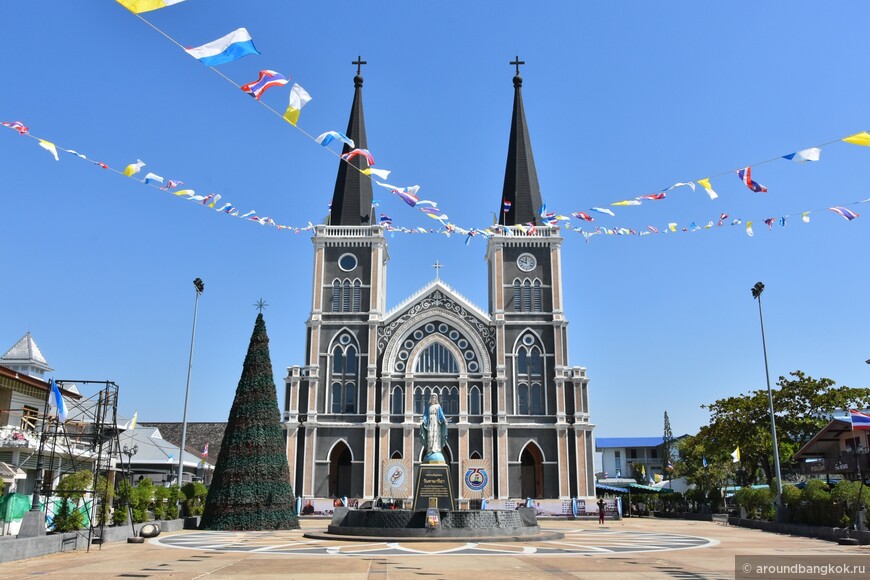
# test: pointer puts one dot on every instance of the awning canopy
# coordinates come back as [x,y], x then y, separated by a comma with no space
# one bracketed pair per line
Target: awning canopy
[649,488]
[611,488]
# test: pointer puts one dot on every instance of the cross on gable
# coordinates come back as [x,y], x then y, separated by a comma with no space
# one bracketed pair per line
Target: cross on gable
[359,62]
[437,265]
[517,62]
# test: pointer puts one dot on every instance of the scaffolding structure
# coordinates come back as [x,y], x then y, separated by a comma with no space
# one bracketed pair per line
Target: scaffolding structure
[89,440]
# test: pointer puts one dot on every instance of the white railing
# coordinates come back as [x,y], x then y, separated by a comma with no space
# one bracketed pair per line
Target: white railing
[349,231]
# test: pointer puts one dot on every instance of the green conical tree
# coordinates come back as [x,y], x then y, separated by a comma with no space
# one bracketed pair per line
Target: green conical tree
[251,487]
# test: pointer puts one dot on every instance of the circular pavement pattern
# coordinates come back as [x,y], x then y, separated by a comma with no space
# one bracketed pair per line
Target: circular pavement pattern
[576,542]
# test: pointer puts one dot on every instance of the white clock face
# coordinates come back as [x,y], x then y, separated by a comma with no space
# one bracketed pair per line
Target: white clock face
[526,262]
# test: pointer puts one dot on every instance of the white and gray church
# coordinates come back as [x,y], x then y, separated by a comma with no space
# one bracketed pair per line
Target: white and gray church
[519,413]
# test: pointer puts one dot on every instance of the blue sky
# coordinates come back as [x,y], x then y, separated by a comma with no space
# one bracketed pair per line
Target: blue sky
[622,99]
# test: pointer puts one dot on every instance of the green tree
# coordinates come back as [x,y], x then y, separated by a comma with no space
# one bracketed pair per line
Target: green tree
[250,489]
[667,444]
[803,405]
[71,489]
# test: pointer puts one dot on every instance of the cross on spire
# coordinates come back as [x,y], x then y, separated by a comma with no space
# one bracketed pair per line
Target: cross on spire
[260,305]
[517,62]
[437,265]
[359,62]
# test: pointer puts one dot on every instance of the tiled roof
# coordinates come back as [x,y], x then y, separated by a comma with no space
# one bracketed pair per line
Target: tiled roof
[198,434]
[25,351]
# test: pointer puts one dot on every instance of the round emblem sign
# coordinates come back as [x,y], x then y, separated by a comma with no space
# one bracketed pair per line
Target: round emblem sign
[396,476]
[476,478]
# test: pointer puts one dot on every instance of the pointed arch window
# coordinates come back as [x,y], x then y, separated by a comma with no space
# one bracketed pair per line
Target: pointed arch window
[346,295]
[343,390]
[528,295]
[357,294]
[397,401]
[531,391]
[474,399]
[436,359]
[537,296]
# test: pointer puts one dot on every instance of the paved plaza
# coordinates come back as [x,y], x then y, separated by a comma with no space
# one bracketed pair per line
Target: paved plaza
[636,548]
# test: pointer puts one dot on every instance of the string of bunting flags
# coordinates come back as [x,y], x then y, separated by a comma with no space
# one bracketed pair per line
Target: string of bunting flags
[428,207]
[239,44]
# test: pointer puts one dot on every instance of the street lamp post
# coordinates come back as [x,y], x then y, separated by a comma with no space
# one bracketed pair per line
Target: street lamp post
[756,293]
[197,283]
[130,452]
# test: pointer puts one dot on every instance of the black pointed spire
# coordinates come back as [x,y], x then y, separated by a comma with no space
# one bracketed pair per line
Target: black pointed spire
[352,197]
[521,196]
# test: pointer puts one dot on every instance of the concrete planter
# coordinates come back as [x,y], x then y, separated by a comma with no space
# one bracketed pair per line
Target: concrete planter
[820,532]
[12,548]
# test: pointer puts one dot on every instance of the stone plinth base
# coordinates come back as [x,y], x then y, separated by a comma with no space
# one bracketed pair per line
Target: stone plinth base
[473,525]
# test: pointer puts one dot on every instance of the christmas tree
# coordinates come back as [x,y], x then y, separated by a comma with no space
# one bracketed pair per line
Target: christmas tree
[250,489]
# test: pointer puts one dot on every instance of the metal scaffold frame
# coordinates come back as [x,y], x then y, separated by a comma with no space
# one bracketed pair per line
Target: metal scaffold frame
[88,438]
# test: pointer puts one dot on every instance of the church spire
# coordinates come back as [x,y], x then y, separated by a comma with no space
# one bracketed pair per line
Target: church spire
[352,197]
[521,196]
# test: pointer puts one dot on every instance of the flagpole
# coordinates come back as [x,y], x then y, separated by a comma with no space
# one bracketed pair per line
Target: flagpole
[197,283]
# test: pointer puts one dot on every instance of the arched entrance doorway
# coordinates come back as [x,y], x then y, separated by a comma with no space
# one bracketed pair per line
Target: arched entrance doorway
[340,474]
[531,472]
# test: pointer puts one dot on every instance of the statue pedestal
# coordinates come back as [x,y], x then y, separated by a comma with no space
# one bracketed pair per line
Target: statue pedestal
[433,489]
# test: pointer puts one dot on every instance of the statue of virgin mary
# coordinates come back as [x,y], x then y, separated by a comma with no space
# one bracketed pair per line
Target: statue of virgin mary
[433,431]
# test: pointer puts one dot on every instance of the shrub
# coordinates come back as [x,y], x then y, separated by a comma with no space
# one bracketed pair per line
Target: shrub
[140,500]
[172,499]
[105,496]
[125,491]
[158,508]
[71,489]
[816,504]
[194,498]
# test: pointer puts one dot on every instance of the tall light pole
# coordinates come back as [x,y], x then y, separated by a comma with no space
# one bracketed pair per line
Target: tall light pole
[199,288]
[756,293]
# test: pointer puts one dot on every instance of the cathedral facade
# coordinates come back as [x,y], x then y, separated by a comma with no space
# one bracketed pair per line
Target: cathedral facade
[519,413]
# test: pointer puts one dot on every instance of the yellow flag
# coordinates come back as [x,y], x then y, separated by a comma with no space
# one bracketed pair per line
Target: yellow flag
[49,146]
[139,6]
[134,168]
[735,455]
[299,97]
[862,138]
[705,183]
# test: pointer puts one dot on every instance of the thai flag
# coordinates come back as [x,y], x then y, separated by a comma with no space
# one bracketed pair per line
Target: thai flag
[846,213]
[17,125]
[364,152]
[386,220]
[745,175]
[506,205]
[583,216]
[267,80]
[859,420]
